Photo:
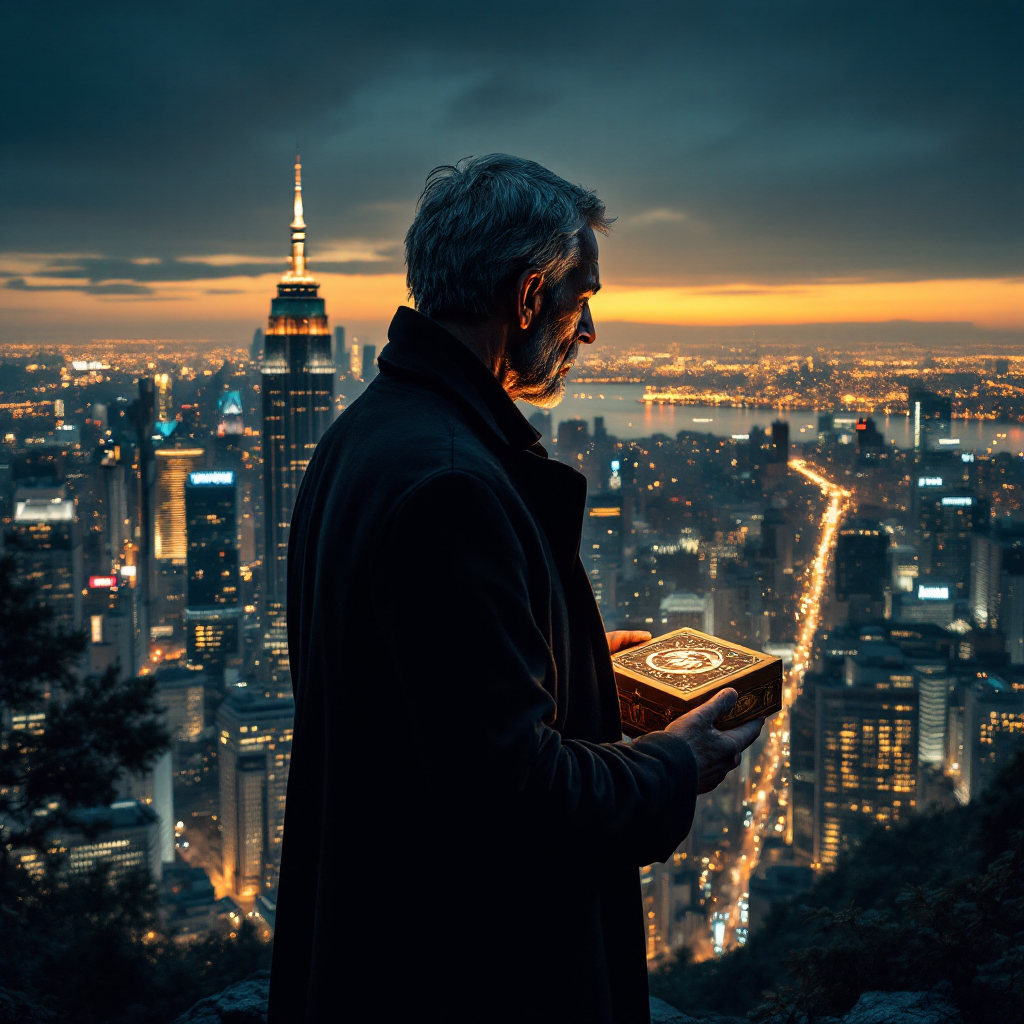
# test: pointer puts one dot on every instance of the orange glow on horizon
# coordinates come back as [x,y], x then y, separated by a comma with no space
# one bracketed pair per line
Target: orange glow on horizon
[987,302]
[183,308]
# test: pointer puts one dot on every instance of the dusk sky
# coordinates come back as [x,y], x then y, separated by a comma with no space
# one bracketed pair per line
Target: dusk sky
[769,163]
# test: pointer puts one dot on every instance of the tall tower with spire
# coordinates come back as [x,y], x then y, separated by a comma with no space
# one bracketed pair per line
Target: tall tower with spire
[298,397]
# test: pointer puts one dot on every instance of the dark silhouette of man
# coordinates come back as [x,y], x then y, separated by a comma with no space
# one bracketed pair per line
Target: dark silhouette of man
[464,822]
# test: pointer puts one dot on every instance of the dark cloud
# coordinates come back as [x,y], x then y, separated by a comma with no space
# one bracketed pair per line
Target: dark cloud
[497,98]
[97,275]
[113,288]
[783,141]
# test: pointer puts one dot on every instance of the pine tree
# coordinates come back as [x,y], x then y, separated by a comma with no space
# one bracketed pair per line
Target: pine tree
[88,948]
[83,733]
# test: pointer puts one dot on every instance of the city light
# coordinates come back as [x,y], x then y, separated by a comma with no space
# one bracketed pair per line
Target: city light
[798,435]
[211,477]
[770,764]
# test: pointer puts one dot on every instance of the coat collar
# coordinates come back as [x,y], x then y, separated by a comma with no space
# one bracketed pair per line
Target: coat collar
[421,348]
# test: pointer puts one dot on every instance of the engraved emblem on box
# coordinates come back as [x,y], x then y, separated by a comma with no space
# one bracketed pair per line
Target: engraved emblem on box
[673,674]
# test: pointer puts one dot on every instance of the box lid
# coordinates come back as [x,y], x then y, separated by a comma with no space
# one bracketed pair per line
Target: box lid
[687,662]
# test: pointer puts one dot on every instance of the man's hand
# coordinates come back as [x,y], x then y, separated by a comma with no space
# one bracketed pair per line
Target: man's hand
[622,639]
[717,750]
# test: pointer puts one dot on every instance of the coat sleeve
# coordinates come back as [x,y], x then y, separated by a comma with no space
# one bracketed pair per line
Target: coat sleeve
[475,674]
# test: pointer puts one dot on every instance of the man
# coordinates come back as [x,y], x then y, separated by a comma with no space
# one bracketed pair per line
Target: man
[464,822]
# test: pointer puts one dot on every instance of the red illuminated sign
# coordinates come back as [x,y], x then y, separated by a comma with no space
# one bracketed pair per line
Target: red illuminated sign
[102,582]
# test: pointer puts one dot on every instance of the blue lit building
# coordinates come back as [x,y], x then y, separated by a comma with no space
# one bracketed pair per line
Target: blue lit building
[212,595]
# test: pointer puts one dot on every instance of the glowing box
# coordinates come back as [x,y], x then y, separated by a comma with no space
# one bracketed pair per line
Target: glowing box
[675,673]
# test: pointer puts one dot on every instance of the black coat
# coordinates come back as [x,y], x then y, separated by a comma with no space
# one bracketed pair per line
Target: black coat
[464,826]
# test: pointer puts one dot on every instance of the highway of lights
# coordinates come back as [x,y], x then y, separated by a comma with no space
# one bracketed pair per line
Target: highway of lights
[769,813]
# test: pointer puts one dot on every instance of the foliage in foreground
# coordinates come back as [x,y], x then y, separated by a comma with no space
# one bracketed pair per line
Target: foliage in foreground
[937,904]
[85,949]
[90,951]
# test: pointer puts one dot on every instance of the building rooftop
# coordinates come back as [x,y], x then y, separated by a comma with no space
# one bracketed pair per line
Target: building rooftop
[120,814]
[43,505]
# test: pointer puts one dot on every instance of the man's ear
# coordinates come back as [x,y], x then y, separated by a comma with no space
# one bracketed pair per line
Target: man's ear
[529,298]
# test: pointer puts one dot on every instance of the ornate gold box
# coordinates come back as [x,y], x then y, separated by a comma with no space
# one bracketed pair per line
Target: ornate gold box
[675,673]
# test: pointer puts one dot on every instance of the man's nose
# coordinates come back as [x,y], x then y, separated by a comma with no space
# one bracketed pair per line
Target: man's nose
[586,333]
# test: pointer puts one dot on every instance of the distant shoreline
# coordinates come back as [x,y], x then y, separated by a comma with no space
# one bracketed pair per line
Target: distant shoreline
[686,400]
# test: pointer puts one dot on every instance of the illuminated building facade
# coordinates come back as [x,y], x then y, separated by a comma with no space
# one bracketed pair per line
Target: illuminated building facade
[934,682]
[992,733]
[173,466]
[164,398]
[297,382]
[865,750]
[46,541]
[212,600]
[123,837]
[254,752]
[229,406]
[180,693]
[947,521]
[601,546]
[682,609]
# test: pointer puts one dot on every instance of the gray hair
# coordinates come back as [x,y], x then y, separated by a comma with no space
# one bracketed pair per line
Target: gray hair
[483,221]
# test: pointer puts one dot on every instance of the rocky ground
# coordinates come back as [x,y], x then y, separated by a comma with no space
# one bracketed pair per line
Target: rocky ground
[246,1003]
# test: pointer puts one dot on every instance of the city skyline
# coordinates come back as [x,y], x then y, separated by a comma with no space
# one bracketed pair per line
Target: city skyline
[800,432]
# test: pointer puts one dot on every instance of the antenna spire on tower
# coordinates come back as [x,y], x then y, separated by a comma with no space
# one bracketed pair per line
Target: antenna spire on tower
[298,257]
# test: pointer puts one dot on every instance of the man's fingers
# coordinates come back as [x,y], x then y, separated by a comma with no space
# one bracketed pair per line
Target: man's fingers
[722,701]
[623,639]
[745,734]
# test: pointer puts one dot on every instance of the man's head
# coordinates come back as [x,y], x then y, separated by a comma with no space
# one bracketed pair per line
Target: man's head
[502,241]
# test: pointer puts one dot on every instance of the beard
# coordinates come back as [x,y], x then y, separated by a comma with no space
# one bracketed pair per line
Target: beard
[538,368]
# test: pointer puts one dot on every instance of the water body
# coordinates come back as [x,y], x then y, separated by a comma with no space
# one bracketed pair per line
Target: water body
[627,417]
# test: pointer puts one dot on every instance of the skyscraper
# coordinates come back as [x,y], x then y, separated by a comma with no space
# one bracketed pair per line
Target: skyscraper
[173,466]
[601,546]
[861,569]
[992,732]
[930,416]
[780,442]
[369,362]
[866,748]
[212,605]
[116,524]
[123,837]
[946,522]
[143,417]
[47,543]
[254,754]
[298,396]
[164,397]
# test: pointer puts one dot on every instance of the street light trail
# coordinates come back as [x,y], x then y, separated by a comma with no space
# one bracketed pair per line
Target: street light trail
[774,775]
[810,603]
